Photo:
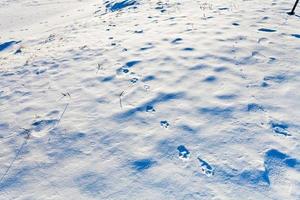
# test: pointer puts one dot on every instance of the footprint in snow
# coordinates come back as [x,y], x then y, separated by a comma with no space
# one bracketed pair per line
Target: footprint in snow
[116,6]
[164,124]
[183,152]
[177,41]
[150,109]
[267,30]
[6,45]
[280,128]
[206,168]
[296,35]
[139,31]
[134,80]
[42,127]
[122,70]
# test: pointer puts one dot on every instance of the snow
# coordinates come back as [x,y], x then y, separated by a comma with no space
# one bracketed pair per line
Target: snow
[149,99]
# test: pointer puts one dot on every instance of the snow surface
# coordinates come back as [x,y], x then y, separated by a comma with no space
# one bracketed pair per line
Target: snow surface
[148,99]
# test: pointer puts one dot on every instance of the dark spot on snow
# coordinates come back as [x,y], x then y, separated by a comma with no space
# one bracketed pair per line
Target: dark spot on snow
[164,124]
[39,71]
[132,63]
[227,96]
[134,80]
[106,79]
[188,49]
[176,41]
[296,35]
[210,79]
[272,60]
[18,51]
[149,78]
[116,6]
[139,31]
[223,8]
[183,152]
[143,164]
[265,84]
[122,70]
[150,109]
[160,6]
[253,107]
[266,30]
[6,45]
[206,168]
[146,48]
[280,128]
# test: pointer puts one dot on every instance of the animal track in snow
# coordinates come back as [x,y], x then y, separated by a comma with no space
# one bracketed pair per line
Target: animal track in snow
[296,35]
[7,45]
[206,168]
[116,6]
[267,30]
[183,152]
[280,128]
[150,109]
[40,128]
[164,124]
